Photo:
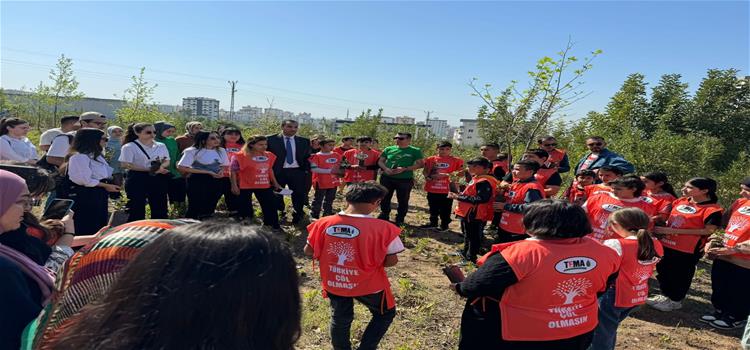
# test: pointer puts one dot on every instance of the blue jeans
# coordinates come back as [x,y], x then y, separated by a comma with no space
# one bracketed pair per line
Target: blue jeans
[610,316]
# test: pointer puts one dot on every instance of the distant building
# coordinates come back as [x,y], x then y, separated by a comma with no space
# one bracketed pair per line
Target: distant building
[388,120]
[405,120]
[467,135]
[439,128]
[248,113]
[201,106]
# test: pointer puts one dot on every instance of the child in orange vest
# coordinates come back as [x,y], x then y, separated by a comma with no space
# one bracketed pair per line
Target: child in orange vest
[252,173]
[475,205]
[437,171]
[524,190]
[324,166]
[353,250]
[575,193]
[639,253]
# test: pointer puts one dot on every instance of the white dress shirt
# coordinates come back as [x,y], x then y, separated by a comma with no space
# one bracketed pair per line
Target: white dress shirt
[130,153]
[48,136]
[60,145]
[293,150]
[21,150]
[205,156]
[86,171]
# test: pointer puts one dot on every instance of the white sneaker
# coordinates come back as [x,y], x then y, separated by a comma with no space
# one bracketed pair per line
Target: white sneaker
[664,304]
[658,298]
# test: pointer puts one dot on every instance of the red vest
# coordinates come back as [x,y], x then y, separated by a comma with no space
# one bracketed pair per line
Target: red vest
[631,286]
[484,211]
[368,158]
[555,296]
[738,228]
[513,222]
[441,165]
[340,150]
[499,164]
[543,174]
[575,195]
[591,190]
[602,204]
[325,161]
[662,201]
[255,170]
[687,215]
[351,251]
[233,149]
[556,156]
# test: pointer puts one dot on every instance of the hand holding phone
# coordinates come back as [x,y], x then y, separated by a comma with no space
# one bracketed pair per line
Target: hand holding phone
[57,209]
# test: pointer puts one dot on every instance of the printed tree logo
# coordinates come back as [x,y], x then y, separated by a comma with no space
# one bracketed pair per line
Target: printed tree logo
[736,223]
[343,251]
[571,288]
[643,273]
[676,221]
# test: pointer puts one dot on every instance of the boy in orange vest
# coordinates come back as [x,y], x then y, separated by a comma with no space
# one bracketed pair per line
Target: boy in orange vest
[353,249]
[576,192]
[437,172]
[475,205]
[523,191]
[324,165]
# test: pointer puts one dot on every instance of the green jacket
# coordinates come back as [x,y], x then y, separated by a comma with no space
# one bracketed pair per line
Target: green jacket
[174,155]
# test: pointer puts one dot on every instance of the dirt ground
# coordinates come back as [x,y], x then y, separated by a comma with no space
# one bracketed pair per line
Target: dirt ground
[429,313]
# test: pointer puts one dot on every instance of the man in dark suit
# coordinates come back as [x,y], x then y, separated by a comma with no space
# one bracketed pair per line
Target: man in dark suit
[292,166]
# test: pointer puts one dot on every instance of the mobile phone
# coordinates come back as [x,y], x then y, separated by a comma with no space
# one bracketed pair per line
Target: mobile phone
[57,209]
[454,273]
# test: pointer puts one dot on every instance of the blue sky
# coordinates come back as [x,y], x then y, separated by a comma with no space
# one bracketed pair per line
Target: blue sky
[325,58]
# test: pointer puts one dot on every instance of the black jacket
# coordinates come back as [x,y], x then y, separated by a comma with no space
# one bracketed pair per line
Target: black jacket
[277,147]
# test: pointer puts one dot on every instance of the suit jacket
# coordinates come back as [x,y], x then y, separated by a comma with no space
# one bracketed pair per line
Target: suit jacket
[277,147]
[607,157]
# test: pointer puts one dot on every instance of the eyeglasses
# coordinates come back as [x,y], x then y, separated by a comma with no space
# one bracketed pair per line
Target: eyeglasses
[549,145]
[594,144]
[149,132]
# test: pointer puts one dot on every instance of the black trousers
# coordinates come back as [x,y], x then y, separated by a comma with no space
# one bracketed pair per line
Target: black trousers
[203,193]
[402,187]
[143,188]
[230,199]
[267,200]
[675,273]
[176,189]
[730,284]
[90,207]
[440,207]
[342,315]
[473,231]
[325,198]
[298,181]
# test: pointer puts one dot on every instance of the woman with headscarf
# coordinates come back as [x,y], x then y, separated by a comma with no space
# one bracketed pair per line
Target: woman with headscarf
[26,282]
[176,188]
[187,140]
[112,153]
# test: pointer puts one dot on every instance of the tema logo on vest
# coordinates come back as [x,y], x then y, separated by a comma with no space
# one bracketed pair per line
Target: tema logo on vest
[686,209]
[331,160]
[611,207]
[342,231]
[260,158]
[575,264]
[744,210]
[442,165]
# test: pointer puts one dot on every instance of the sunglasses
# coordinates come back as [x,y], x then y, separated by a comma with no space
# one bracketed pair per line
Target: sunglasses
[399,138]
[594,144]
[149,132]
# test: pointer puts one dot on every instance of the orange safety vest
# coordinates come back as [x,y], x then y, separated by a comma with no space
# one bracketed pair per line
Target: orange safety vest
[543,174]
[513,222]
[500,164]
[602,204]
[340,150]
[738,227]
[555,296]
[483,211]
[368,158]
[688,215]
[325,161]
[233,149]
[631,286]
[662,201]
[591,190]
[351,251]
[254,170]
[556,156]
[441,165]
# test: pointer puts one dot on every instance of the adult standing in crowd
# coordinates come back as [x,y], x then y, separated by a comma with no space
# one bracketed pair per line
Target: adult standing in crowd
[187,140]
[517,302]
[205,163]
[14,145]
[599,156]
[176,185]
[558,158]
[291,167]
[147,163]
[112,153]
[232,142]
[68,123]
[90,176]
[398,163]
[252,173]
[61,143]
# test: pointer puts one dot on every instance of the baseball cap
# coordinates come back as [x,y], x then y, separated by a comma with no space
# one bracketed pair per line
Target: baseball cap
[91,116]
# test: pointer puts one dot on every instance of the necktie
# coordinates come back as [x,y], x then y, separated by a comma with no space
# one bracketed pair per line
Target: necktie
[289,155]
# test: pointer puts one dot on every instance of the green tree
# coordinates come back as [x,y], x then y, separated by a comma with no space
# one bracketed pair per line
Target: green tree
[38,105]
[670,103]
[64,88]
[139,106]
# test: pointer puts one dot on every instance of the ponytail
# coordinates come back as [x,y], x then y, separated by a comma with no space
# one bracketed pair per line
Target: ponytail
[131,134]
[646,249]
[10,122]
[658,176]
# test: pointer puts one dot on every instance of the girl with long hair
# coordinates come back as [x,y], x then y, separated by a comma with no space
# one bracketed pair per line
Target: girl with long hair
[661,191]
[201,286]
[90,180]
[626,193]
[14,145]
[639,252]
[252,173]
[692,219]
[205,163]
[232,141]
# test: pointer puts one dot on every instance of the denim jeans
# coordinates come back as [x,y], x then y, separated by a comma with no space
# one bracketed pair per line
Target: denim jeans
[342,315]
[610,316]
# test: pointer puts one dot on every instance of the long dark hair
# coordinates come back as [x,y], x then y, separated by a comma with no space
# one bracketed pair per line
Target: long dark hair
[87,141]
[705,183]
[202,286]
[131,134]
[636,221]
[201,138]
[632,182]
[555,218]
[232,130]
[10,122]
[658,176]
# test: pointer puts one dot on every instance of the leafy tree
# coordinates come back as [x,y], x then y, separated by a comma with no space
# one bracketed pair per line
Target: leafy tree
[64,86]
[139,106]
[38,104]
[670,103]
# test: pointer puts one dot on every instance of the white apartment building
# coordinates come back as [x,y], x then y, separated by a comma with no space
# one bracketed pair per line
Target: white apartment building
[201,106]
[467,135]
[405,120]
[438,128]
[248,113]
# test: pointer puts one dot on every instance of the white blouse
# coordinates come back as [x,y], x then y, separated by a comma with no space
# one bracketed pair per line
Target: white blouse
[130,153]
[21,150]
[86,171]
[204,156]
[60,145]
